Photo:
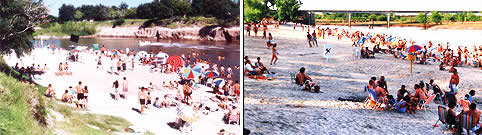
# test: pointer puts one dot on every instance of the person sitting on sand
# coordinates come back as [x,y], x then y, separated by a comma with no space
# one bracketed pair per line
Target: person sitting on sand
[475,118]
[303,79]
[420,95]
[380,93]
[372,83]
[99,62]
[451,116]
[383,83]
[402,92]
[156,103]
[165,103]
[50,92]
[66,97]
[403,104]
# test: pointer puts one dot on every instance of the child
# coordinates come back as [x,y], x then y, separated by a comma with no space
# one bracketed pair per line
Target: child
[148,100]
[275,55]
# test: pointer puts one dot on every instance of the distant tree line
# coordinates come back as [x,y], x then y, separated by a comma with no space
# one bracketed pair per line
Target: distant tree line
[157,9]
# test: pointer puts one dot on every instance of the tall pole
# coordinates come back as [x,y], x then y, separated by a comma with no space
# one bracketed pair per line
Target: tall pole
[388,20]
[349,20]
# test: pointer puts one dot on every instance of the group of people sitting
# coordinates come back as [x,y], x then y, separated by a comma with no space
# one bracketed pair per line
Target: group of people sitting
[63,69]
[255,69]
[30,71]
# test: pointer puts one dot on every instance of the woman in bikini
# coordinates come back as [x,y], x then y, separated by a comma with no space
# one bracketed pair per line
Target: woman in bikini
[86,94]
[115,85]
[275,55]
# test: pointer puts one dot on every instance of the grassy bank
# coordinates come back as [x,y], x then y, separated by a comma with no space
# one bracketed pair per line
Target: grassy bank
[24,110]
[81,28]
[84,28]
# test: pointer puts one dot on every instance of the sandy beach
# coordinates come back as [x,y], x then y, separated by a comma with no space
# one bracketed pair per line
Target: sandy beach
[280,107]
[100,86]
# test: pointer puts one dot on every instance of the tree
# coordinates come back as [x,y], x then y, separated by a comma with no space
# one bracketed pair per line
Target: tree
[66,13]
[448,17]
[17,21]
[183,7]
[435,17]
[131,13]
[123,5]
[78,15]
[472,17]
[287,9]
[254,10]
[422,18]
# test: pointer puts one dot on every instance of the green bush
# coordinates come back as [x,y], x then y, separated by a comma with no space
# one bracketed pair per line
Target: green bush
[78,28]
[118,22]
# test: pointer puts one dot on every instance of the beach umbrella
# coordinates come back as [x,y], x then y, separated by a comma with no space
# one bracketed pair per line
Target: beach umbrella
[162,55]
[219,81]
[196,69]
[116,52]
[212,74]
[190,73]
[174,61]
[414,48]
[141,53]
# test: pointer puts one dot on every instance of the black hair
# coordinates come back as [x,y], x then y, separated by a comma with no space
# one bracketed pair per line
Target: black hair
[302,70]
[416,86]
[403,86]
[472,92]
[66,91]
[473,106]
[374,78]
[452,104]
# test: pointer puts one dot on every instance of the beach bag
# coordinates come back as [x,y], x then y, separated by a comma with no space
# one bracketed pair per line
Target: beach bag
[316,89]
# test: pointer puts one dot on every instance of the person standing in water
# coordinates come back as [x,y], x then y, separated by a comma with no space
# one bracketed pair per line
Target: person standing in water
[275,55]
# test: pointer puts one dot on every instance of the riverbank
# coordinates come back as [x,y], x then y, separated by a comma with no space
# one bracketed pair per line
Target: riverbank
[278,107]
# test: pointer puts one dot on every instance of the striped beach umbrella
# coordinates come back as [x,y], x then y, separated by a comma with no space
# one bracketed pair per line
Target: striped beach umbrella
[219,81]
[174,61]
[414,48]
[212,74]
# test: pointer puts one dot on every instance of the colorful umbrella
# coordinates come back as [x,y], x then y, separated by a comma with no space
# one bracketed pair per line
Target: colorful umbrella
[212,74]
[414,48]
[189,73]
[220,82]
[174,61]
[196,69]
[115,52]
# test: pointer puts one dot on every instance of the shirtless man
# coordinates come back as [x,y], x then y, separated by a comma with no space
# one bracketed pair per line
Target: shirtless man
[142,99]
[66,97]
[301,78]
[187,93]
[80,94]
[50,92]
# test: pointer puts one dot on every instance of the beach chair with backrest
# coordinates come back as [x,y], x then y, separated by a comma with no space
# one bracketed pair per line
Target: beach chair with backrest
[442,115]
[429,100]
[378,102]
[466,122]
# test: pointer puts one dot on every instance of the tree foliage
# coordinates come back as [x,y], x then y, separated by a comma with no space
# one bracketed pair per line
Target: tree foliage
[422,18]
[17,21]
[287,9]
[255,10]
[435,17]
[66,13]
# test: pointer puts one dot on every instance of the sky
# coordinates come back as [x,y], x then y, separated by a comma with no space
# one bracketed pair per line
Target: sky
[410,5]
[54,5]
